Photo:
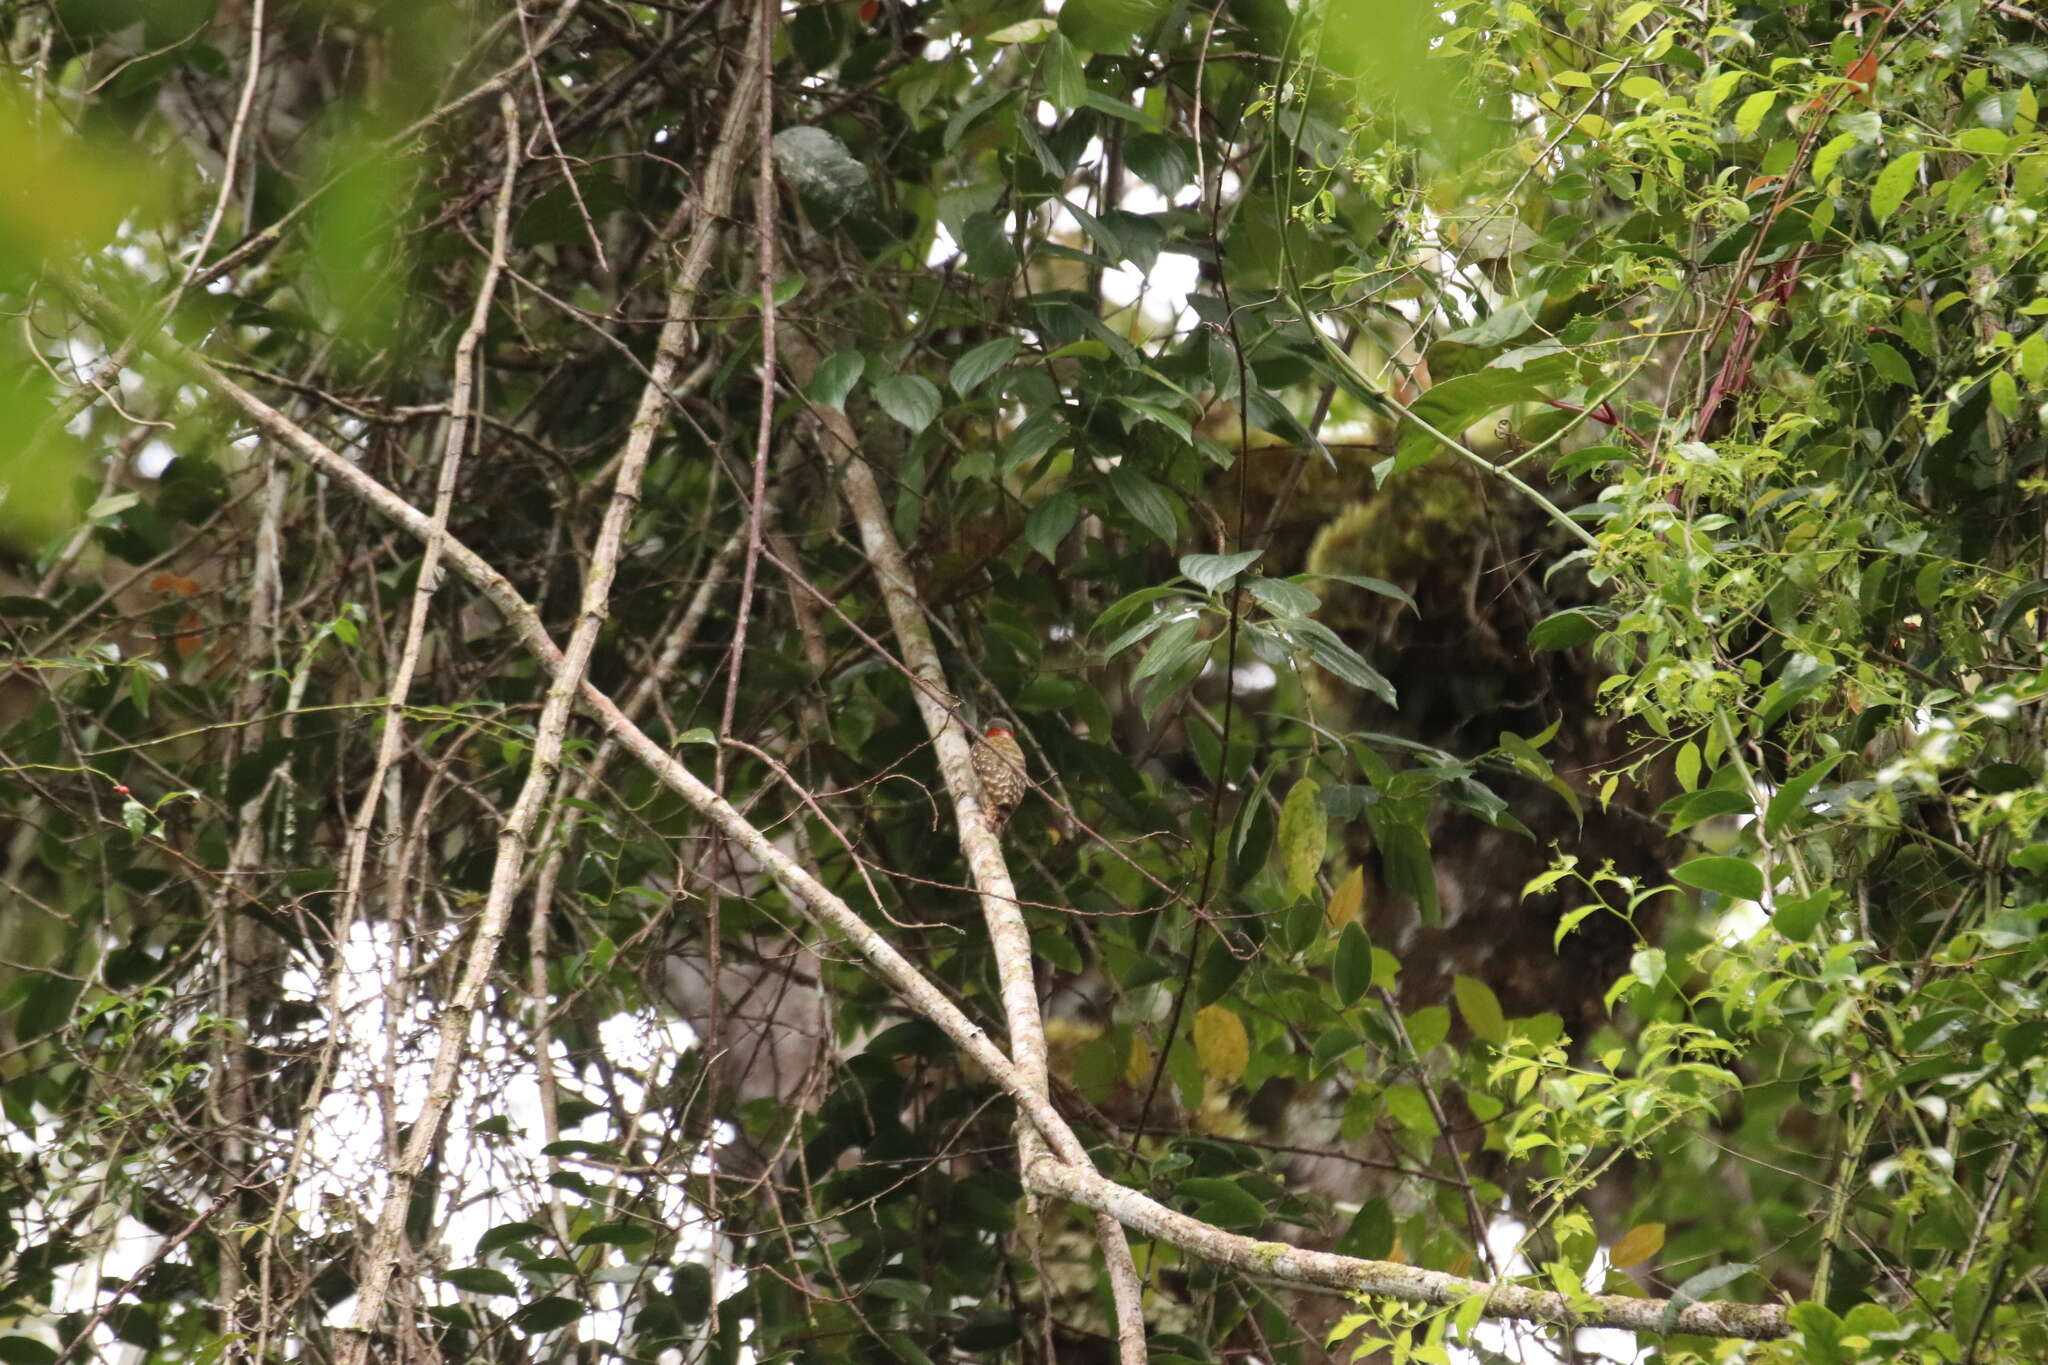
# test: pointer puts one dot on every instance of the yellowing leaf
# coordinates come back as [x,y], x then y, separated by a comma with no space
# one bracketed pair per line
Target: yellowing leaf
[1139,1069]
[1304,833]
[1221,1043]
[1637,1245]
[1347,902]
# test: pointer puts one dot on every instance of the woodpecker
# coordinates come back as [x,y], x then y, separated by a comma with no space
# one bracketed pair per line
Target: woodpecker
[999,762]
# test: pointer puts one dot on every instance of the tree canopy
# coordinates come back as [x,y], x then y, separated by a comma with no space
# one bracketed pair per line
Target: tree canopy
[1510,535]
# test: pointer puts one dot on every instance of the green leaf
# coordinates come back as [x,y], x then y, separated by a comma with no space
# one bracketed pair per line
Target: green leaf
[1371,584]
[1211,572]
[1351,967]
[1226,1203]
[1750,116]
[1410,1108]
[1738,878]
[548,1314]
[1341,659]
[1428,1027]
[980,362]
[2005,394]
[1405,860]
[479,1279]
[1050,522]
[1108,25]
[835,377]
[1066,86]
[1370,1235]
[911,399]
[1893,184]
[1024,31]
[1457,403]
[1282,597]
[1889,364]
[902,1291]
[1564,630]
[1796,917]
[1170,648]
[1145,501]
[505,1235]
[1790,799]
[616,1234]
[1304,835]
[1503,325]
[1480,1008]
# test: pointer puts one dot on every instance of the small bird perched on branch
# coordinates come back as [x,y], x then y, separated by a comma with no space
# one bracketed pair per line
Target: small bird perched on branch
[999,762]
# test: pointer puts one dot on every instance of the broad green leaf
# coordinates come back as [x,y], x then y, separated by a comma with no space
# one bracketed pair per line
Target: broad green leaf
[1226,1203]
[1796,917]
[1370,1235]
[1171,646]
[477,1279]
[1738,878]
[1371,584]
[1211,572]
[980,362]
[1428,1027]
[834,379]
[1564,630]
[1889,364]
[1351,967]
[1480,1008]
[1893,184]
[1050,522]
[1108,25]
[1066,87]
[1341,659]
[911,399]
[1145,501]
[548,1313]
[1024,31]
[1790,799]
[1751,115]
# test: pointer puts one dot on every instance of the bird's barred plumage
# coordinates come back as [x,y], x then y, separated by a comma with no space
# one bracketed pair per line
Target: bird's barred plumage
[999,762]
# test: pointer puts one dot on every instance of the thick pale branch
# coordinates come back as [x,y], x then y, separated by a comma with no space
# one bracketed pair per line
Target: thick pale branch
[1407,1283]
[1008,934]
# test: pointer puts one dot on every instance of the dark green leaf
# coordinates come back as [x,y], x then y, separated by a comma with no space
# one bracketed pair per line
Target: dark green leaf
[911,399]
[980,362]
[1145,501]
[1564,630]
[548,1314]
[1050,522]
[477,1279]
[834,379]
[1351,969]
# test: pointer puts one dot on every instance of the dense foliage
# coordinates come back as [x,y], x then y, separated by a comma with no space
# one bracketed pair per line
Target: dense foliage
[1511,536]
